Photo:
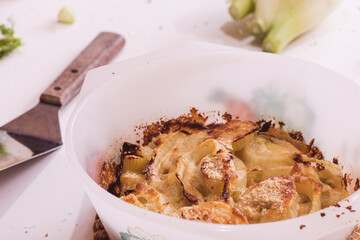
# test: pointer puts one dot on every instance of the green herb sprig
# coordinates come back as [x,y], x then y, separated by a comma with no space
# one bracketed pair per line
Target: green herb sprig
[8,42]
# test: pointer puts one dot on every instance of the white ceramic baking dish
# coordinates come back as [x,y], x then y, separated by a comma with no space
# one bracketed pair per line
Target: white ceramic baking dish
[115,98]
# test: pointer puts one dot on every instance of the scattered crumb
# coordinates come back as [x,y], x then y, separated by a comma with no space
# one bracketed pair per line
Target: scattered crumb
[26,231]
[302,226]
[161,27]
[350,209]
[347,180]
[357,185]
[337,205]
[337,215]
[112,73]
[322,214]
[46,235]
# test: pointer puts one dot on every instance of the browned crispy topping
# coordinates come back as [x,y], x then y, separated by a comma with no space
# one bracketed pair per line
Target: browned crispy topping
[320,167]
[148,168]
[337,205]
[264,126]
[127,192]
[315,153]
[297,135]
[335,161]
[132,199]
[357,185]
[311,143]
[213,212]
[219,167]
[185,132]
[347,180]
[191,198]
[110,178]
[225,194]
[316,185]
[129,149]
[297,158]
[193,120]
[232,130]
[227,117]
[152,131]
[268,199]
[302,226]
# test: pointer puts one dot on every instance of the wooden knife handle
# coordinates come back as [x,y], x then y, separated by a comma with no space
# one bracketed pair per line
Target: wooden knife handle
[99,52]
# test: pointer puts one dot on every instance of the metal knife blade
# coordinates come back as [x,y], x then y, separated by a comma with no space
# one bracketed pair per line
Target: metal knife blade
[37,131]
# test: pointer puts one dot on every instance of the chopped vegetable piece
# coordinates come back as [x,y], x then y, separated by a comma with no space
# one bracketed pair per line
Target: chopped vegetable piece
[278,22]
[8,42]
[240,8]
[66,16]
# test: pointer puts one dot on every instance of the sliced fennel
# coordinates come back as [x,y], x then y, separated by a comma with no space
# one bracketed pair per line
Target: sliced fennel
[279,22]
[239,9]
[66,15]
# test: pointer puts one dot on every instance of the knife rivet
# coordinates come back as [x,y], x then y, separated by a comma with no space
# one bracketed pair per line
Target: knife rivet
[57,88]
[74,70]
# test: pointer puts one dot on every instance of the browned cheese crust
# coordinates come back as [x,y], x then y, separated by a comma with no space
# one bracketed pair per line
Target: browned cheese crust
[213,212]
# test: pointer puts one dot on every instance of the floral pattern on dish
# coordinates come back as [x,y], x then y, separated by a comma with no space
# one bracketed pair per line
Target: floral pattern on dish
[137,233]
[287,105]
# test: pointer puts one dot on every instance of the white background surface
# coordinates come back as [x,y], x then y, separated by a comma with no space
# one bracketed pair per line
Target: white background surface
[44,196]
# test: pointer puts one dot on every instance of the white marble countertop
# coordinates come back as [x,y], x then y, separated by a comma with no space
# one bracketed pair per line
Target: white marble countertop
[42,198]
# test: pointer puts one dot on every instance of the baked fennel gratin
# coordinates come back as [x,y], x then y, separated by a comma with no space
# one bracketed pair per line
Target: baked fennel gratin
[237,172]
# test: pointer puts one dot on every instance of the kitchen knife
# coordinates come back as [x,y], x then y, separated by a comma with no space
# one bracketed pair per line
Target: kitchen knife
[37,131]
